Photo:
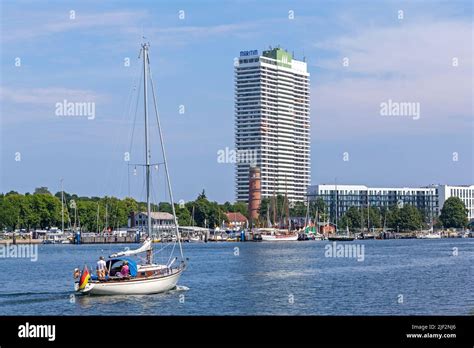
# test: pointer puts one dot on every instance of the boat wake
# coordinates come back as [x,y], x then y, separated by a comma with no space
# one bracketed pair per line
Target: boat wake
[32,297]
[31,293]
[180,288]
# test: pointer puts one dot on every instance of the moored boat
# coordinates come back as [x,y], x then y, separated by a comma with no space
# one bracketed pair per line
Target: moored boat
[340,238]
[274,235]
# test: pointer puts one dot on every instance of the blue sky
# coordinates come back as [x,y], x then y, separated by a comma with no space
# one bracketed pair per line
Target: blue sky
[82,60]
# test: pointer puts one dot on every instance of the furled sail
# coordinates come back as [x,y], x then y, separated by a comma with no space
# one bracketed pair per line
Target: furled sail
[145,247]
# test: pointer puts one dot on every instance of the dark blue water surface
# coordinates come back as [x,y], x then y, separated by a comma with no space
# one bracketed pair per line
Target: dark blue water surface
[287,278]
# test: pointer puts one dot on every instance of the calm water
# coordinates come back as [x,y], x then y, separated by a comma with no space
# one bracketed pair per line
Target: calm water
[293,278]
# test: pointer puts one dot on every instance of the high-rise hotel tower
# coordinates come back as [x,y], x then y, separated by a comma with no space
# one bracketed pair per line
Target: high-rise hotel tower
[272,123]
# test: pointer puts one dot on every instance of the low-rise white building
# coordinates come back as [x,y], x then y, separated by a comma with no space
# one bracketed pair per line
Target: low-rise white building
[464,192]
[160,221]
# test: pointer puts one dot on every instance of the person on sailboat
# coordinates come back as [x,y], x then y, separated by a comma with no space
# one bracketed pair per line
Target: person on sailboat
[125,271]
[101,268]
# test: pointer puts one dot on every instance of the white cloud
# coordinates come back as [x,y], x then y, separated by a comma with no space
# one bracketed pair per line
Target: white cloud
[19,27]
[411,63]
[47,96]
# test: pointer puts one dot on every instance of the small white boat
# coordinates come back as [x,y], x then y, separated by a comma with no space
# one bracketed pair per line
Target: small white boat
[273,235]
[195,239]
[432,236]
[279,237]
[133,286]
[319,236]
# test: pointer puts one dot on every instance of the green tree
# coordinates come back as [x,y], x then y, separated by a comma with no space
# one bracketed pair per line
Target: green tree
[42,190]
[42,210]
[240,207]
[12,208]
[344,222]
[129,205]
[183,215]
[409,218]
[206,214]
[202,195]
[165,207]
[87,212]
[318,208]
[392,217]
[454,213]
[353,216]
[298,209]
[375,218]
[264,206]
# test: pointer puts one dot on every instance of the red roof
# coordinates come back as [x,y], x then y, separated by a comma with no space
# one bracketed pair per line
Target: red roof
[236,217]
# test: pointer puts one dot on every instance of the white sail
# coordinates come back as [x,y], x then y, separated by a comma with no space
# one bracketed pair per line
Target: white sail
[146,246]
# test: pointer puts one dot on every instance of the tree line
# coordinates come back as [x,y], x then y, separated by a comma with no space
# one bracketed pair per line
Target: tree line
[406,218]
[42,210]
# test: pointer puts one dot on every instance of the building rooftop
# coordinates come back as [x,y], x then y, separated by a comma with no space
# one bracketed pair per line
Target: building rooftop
[158,215]
[236,217]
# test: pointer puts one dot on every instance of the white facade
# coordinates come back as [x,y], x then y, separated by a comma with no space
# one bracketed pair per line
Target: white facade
[361,196]
[422,197]
[464,192]
[273,123]
[356,189]
[160,221]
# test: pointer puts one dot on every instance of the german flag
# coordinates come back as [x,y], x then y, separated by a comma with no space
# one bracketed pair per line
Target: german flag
[85,275]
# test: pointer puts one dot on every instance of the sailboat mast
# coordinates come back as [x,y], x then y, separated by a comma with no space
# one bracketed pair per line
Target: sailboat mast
[274,207]
[307,213]
[98,217]
[287,208]
[147,141]
[106,217]
[62,206]
[337,204]
[368,213]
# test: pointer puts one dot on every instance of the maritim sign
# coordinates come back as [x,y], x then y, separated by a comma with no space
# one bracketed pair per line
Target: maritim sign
[249,53]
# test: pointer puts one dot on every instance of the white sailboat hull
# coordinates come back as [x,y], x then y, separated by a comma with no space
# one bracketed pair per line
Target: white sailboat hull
[277,238]
[144,286]
[432,236]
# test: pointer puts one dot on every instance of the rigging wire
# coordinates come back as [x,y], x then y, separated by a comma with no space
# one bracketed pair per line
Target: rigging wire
[117,137]
[178,237]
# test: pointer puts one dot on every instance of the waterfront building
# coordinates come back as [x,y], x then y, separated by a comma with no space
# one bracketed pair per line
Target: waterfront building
[361,196]
[272,123]
[237,221]
[160,221]
[464,192]
[429,200]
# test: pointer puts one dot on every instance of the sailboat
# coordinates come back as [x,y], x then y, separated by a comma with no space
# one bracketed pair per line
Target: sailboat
[279,235]
[140,278]
[340,237]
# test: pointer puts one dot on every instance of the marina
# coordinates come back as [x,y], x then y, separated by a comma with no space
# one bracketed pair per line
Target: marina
[191,234]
